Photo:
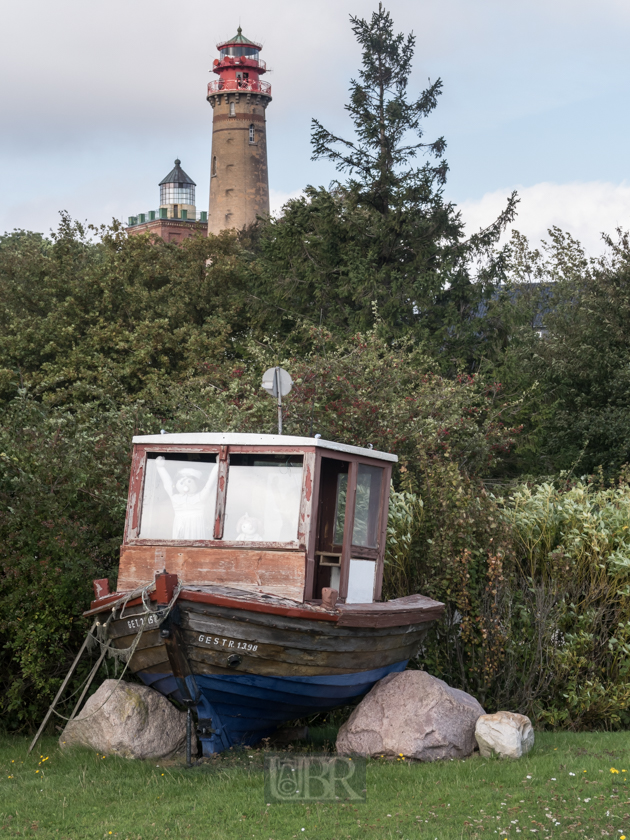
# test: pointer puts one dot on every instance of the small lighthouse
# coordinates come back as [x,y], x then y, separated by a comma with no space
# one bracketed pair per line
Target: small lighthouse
[176,218]
[239,183]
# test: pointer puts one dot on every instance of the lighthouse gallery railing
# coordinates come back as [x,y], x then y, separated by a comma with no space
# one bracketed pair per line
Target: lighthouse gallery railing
[240,85]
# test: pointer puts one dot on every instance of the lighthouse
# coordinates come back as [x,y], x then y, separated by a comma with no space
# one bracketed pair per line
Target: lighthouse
[239,183]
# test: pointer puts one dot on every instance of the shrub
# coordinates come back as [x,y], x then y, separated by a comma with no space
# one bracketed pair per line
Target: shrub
[537,593]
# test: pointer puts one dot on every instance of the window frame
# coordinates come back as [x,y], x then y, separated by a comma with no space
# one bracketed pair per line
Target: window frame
[309,506]
[136,494]
[349,551]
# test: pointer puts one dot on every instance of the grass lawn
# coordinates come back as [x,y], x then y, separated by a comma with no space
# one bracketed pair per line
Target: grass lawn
[563,788]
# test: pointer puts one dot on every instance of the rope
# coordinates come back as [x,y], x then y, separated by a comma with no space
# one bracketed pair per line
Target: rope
[126,654]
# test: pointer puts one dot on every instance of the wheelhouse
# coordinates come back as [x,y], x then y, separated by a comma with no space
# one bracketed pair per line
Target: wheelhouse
[278,515]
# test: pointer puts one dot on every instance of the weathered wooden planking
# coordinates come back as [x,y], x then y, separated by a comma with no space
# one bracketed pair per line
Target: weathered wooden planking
[258,606]
[206,662]
[360,620]
[415,609]
[412,609]
[273,572]
[305,624]
[290,650]
[324,638]
[281,659]
[299,619]
[266,660]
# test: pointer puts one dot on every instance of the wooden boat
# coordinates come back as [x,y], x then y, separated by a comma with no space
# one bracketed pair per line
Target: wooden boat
[250,579]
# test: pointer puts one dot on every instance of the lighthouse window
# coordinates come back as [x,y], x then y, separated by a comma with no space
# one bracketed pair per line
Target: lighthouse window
[263,498]
[177,193]
[248,52]
[252,134]
[214,165]
[232,109]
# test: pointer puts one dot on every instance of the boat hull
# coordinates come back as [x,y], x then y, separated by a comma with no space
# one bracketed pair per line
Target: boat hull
[242,709]
[249,671]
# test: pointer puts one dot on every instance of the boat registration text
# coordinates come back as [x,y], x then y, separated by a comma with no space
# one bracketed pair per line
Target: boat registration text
[218,641]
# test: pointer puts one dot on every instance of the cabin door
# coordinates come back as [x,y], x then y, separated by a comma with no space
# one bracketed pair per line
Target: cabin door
[333,490]
[349,530]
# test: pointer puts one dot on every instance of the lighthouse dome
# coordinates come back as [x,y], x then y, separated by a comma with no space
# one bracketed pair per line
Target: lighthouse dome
[177,187]
[239,46]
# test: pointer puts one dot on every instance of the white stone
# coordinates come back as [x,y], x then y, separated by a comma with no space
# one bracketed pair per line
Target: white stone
[412,714]
[129,720]
[504,733]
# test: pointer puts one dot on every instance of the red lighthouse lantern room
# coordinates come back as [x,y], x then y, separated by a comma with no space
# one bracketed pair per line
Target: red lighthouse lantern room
[239,67]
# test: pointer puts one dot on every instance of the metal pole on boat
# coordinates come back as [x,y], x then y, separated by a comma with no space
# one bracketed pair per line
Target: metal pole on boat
[104,652]
[277,383]
[61,688]
[279,390]
[189,705]
[189,737]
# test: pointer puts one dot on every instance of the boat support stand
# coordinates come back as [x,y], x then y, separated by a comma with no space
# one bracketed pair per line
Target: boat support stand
[63,686]
[171,633]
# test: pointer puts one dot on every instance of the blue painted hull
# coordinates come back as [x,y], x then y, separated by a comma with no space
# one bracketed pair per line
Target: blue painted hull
[244,708]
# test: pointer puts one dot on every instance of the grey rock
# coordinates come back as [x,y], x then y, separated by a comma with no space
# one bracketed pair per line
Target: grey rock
[504,733]
[412,714]
[129,720]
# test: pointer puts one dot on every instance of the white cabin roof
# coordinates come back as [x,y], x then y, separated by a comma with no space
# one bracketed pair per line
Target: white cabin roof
[235,439]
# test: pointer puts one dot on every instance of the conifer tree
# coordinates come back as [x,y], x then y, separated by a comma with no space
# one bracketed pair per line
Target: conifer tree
[386,240]
[387,125]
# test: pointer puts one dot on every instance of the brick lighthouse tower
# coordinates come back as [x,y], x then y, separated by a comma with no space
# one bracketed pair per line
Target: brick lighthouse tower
[239,184]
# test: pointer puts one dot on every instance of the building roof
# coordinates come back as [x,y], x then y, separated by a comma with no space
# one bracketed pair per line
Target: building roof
[239,439]
[239,38]
[177,176]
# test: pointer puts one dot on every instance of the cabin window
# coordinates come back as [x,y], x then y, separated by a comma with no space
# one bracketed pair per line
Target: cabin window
[332,519]
[340,507]
[332,505]
[367,506]
[252,134]
[232,109]
[179,496]
[263,498]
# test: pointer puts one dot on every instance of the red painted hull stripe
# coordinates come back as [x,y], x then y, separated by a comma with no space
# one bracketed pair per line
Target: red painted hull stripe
[222,601]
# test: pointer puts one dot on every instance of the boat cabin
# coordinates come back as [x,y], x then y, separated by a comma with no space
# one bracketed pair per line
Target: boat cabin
[272,514]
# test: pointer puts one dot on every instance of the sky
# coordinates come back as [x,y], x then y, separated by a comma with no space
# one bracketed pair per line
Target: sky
[98,98]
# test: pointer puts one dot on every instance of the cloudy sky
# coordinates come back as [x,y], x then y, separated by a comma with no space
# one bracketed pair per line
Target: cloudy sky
[98,98]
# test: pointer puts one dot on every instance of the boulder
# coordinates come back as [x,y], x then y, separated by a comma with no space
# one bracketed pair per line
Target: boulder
[505,734]
[130,720]
[412,714]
